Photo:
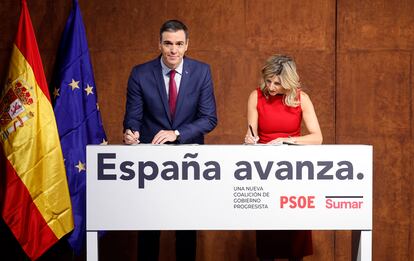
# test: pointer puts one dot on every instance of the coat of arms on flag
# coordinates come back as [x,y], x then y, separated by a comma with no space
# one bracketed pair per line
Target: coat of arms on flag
[13,107]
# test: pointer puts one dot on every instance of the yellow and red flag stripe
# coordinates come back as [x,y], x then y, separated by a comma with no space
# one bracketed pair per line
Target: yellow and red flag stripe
[35,201]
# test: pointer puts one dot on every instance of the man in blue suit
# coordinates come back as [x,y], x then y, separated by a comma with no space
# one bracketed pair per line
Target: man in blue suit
[169,100]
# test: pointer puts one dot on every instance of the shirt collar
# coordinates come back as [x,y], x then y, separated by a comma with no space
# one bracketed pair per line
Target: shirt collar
[166,70]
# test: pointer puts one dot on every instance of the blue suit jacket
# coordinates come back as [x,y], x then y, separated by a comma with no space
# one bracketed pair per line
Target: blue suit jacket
[147,109]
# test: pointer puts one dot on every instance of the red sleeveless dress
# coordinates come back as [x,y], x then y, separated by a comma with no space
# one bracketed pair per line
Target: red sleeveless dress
[278,120]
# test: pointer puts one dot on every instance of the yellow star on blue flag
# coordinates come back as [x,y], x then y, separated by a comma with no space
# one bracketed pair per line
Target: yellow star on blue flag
[80,166]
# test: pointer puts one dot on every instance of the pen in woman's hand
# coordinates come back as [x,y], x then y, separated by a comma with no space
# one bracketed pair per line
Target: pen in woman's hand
[251,131]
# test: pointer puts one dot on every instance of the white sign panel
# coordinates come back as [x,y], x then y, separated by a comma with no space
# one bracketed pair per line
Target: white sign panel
[229,187]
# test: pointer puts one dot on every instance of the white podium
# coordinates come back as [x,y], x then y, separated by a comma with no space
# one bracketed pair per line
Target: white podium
[229,187]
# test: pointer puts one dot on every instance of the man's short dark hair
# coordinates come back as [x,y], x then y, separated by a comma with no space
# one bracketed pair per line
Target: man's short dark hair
[173,26]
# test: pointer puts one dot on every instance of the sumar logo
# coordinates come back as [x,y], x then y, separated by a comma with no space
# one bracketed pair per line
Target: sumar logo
[13,112]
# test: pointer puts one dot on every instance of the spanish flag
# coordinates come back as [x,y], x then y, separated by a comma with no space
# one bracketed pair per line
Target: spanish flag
[34,195]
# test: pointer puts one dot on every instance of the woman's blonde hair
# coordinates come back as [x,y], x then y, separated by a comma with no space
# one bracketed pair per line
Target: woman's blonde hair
[284,67]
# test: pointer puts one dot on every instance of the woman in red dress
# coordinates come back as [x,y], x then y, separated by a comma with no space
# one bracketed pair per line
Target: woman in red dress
[275,112]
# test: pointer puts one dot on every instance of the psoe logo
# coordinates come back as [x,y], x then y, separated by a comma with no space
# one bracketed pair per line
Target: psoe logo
[297,202]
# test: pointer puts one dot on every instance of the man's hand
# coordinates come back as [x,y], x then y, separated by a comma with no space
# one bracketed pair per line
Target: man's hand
[164,136]
[131,137]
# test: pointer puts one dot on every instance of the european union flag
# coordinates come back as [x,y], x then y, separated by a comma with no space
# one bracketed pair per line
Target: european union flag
[77,114]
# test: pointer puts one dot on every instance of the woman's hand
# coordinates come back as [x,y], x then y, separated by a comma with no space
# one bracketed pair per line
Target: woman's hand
[249,139]
[281,140]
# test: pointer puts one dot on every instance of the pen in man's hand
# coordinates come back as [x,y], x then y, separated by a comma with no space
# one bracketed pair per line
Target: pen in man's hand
[133,133]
